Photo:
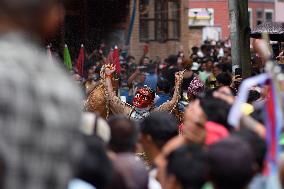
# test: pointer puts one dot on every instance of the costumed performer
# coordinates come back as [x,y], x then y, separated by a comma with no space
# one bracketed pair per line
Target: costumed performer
[143,101]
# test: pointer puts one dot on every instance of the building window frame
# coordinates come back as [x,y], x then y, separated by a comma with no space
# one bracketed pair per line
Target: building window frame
[268,11]
[259,19]
[161,22]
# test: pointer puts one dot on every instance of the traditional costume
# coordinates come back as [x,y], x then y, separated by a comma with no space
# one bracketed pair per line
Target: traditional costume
[105,100]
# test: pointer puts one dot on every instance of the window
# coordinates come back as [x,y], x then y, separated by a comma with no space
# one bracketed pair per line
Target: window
[259,17]
[173,21]
[268,15]
[159,20]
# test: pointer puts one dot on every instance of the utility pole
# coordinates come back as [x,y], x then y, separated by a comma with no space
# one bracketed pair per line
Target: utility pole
[240,36]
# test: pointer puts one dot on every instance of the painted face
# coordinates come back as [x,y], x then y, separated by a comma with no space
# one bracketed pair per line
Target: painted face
[143,98]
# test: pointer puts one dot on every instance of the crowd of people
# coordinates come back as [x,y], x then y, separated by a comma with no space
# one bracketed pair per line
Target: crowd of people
[165,126]
[198,149]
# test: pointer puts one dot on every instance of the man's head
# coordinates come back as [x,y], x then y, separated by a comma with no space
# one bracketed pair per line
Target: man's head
[163,85]
[224,79]
[231,163]
[144,98]
[194,50]
[130,59]
[220,107]
[129,173]
[124,134]
[90,167]
[257,145]
[209,65]
[186,168]
[146,60]
[217,69]
[40,17]
[156,130]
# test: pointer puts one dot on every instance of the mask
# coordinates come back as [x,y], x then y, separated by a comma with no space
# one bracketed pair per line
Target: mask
[143,98]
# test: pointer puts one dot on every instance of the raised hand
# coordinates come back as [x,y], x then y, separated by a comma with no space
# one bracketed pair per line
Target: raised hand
[109,69]
[179,76]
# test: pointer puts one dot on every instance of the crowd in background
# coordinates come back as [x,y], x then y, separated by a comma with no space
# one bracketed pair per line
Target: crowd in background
[48,141]
[204,151]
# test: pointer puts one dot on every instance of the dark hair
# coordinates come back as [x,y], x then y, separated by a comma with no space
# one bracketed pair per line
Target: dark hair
[253,96]
[257,144]
[188,164]
[124,134]
[129,58]
[90,168]
[220,110]
[172,60]
[194,48]
[224,79]
[163,85]
[129,173]
[161,126]
[151,68]
[220,66]
[230,163]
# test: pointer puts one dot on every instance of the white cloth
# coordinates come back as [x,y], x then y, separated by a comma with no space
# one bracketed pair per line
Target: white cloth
[79,184]
[153,183]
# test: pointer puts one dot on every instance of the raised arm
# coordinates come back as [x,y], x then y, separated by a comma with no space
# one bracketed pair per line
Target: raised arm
[133,77]
[170,105]
[115,104]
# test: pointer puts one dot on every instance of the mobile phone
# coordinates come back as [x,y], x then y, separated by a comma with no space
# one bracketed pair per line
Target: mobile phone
[238,71]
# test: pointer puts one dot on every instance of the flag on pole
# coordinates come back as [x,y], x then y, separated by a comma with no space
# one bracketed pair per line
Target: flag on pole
[273,120]
[67,58]
[80,61]
[116,60]
[49,54]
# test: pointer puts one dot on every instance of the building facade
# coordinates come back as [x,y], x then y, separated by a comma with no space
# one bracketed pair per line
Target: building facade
[162,25]
[216,12]
[279,13]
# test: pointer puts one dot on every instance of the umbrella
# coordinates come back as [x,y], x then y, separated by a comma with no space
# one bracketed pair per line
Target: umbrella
[274,29]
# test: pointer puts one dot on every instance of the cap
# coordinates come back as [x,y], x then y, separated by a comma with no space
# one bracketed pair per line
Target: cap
[195,66]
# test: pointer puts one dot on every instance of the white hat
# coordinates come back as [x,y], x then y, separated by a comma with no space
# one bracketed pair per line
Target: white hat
[195,66]
[91,124]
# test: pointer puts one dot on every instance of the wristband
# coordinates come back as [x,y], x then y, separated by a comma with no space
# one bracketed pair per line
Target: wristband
[108,76]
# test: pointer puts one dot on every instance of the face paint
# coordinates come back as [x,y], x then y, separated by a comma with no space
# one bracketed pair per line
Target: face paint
[143,98]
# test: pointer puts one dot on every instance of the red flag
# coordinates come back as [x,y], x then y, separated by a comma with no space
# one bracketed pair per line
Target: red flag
[80,61]
[116,60]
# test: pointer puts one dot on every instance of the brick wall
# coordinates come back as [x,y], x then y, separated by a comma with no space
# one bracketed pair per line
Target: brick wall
[195,37]
[156,48]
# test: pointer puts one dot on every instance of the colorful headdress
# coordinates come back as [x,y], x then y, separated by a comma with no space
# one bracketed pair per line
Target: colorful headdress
[196,86]
[147,91]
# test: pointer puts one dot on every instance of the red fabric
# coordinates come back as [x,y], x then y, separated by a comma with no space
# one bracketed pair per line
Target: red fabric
[271,126]
[80,62]
[214,132]
[116,60]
